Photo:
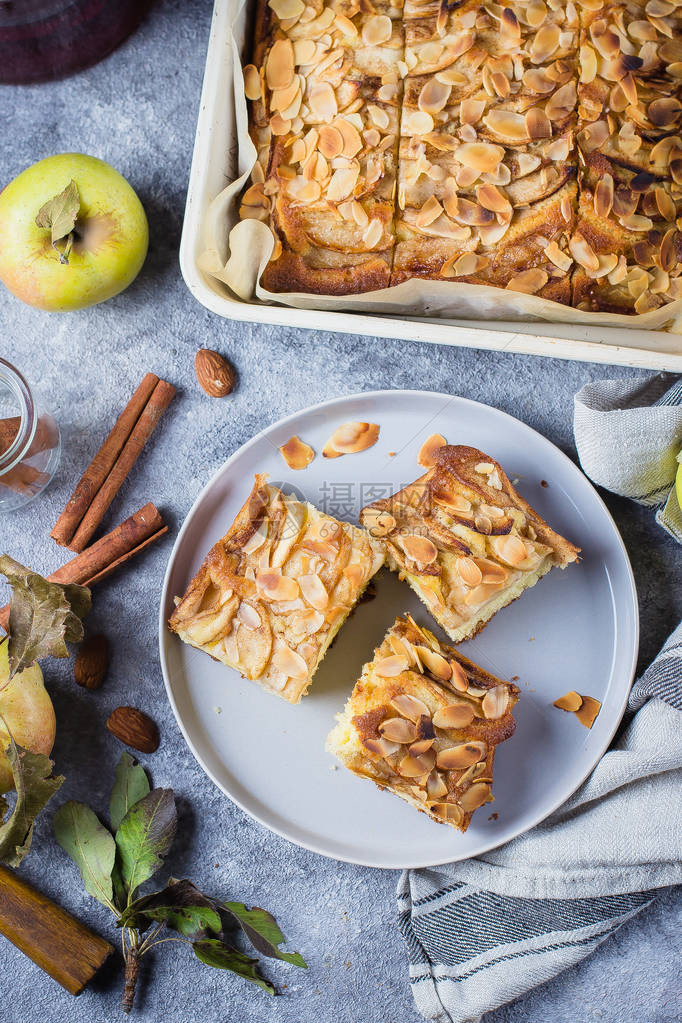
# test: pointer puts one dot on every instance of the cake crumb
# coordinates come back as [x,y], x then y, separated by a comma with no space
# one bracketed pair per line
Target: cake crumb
[392,454]
[493,816]
[544,483]
[515,678]
[218,710]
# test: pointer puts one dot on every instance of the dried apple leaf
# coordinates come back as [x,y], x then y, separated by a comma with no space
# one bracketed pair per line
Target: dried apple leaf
[35,785]
[43,615]
[263,932]
[59,214]
[216,953]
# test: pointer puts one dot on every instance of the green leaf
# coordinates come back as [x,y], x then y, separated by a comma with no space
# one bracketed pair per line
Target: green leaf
[144,837]
[130,785]
[43,616]
[262,931]
[90,845]
[60,213]
[181,906]
[35,785]
[213,952]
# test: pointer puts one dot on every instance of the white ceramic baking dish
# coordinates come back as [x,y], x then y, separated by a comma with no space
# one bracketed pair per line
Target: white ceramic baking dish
[214,165]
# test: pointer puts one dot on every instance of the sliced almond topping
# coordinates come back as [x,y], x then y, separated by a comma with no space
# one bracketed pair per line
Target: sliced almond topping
[377,30]
[587,713]
[352,143]
[296,453]
[398,730]
[322,101]
[471,110]
[582,252]
[558,256]
[345,26]
[248,616]
[350,438]
[383,747]
[290,663]
[418,548]
[510,549]
[373,233]
[538,124]
[483,524]
[507,125]
[459,678]
[410,707]
[428,450]
[453,502]
[331,141]
[476,795]
[417,767]
[469,572]
[495,702]
[448,812]
[459,757]
[272,585]
[435,785]
[391,666]
[603,196]
[304,51]
[493,199]
[285,9]
[251,82]
[666,205]
[302,190]
[433,96]
[528,281]
[429,212]
[378,523]
[571,701]
[457,715]
[481,156]
[435,663]
[491,571]
[416,122]
[545,42]
[279,66]
[313,591]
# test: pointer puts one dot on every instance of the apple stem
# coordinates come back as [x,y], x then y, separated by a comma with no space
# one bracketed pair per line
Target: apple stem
[64,256]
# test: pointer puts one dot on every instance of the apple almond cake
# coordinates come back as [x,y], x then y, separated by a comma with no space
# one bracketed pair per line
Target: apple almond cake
[270,596]
[533,146]
[424,723]
[465,540]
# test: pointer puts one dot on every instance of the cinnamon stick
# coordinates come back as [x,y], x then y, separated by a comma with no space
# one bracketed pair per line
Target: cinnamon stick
[160,399]
[102,464]
[108,553]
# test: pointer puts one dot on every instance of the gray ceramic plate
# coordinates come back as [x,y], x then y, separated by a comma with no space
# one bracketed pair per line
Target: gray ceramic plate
[576,629]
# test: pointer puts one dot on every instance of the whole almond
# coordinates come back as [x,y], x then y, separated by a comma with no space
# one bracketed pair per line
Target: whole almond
[92,661]
[134,728]
[214,373]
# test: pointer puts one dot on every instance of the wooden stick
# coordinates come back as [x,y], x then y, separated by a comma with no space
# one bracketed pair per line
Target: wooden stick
[161,398]
[102,558]
[61,945]
[102,464]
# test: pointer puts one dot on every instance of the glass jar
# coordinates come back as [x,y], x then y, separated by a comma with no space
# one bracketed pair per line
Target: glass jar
[29,442]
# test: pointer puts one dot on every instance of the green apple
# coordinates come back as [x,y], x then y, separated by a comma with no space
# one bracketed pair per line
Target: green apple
[26,707]
[678,482]
[107,247]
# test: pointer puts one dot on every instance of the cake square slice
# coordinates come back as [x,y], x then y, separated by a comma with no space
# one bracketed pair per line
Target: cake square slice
[271,596]
[465,540]
[424,723]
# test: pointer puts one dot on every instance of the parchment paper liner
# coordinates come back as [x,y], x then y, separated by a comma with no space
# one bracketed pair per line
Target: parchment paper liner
[238,256]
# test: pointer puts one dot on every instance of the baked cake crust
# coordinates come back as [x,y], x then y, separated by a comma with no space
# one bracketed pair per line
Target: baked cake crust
[272,594]
[465,539]
[531,146]
[424,722]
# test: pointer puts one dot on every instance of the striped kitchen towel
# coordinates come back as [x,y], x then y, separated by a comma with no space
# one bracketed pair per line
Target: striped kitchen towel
[482,932]
[629,440]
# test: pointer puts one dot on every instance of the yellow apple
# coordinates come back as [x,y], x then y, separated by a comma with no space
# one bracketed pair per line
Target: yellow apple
[110,237]
[27,709]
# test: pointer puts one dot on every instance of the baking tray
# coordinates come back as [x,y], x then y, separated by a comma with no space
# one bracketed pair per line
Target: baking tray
[214,165]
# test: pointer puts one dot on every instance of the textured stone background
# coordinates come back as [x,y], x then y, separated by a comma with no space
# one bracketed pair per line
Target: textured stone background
[138,111]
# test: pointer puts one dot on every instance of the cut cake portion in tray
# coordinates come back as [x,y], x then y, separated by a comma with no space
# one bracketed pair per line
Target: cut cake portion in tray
[270,596]
[465,540]
[424,723]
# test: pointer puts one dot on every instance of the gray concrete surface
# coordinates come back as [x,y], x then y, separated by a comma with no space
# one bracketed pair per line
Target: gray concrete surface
[137,110]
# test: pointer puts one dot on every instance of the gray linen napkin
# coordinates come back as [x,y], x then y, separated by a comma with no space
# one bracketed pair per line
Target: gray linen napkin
[629,439]
[482,932]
